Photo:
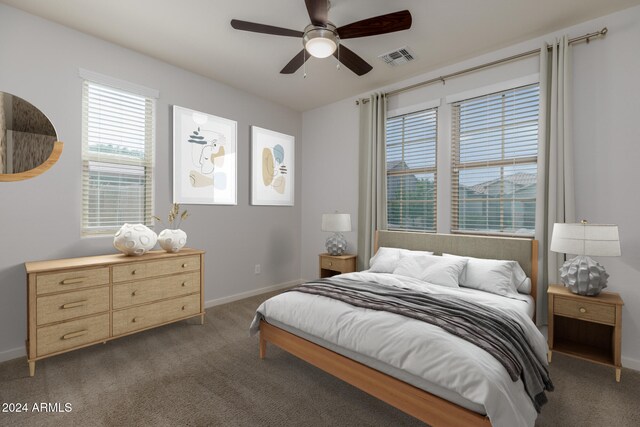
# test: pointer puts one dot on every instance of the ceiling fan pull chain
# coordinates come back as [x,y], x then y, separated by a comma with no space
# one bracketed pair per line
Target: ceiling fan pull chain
[304,63]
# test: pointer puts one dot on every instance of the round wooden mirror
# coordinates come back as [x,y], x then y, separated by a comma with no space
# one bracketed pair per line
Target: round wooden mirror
[28,142]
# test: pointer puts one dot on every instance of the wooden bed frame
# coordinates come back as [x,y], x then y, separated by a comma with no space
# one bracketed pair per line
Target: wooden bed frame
[423,405]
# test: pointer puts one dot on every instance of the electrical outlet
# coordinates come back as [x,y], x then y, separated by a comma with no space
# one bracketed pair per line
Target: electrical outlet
[257,269]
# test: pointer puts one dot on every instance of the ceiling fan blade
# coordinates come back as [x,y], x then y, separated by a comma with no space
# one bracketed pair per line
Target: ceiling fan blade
[295,63]
[382,24]
[352,61]
[318,11]
[264,29]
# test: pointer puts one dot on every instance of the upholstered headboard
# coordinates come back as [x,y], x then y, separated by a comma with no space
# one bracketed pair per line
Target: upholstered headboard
[525,251]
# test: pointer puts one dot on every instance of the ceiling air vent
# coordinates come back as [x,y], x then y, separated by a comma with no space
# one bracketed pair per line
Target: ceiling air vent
[398,56]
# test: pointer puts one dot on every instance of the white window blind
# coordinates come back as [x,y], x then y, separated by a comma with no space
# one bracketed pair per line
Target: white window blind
[118,129]
[411,171]
[494,162]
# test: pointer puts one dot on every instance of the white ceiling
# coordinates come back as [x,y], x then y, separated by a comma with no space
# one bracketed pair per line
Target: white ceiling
[196,35]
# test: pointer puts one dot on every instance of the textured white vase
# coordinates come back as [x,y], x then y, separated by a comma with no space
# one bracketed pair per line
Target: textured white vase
[134,239]
[172,240]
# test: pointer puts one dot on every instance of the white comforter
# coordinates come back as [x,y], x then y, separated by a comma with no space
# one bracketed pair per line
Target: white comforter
[421,349]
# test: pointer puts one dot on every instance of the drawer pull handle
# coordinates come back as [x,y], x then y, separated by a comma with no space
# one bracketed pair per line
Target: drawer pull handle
[134,293]
[183,307]
[185,265]
[74,334]
[184,284]
[74,304]
[583,310]
[73,281]
[136,319]
[330,263]
[133,272]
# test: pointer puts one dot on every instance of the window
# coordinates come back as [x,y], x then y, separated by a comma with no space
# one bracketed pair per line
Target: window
[411,171]
[117,158]
[494,162]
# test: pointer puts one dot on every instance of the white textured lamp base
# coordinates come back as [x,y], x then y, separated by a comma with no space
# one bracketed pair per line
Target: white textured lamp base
[584,276]
[336,244]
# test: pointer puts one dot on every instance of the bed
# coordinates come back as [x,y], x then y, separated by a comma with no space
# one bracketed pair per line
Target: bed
[289,322]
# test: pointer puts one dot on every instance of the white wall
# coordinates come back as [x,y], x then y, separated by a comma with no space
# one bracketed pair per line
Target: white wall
[606,127]
[40,217]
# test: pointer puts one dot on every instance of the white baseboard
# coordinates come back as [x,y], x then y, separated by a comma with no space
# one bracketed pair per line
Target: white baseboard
[243,295]
[630,363]
[13,353]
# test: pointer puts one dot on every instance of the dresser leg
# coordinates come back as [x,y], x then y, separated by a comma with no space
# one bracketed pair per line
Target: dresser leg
[202,319]
[549,354]
[32,368]
[618,373]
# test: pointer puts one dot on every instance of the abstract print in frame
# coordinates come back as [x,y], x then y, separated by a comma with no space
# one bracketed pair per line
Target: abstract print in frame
[272,167]
[204,158]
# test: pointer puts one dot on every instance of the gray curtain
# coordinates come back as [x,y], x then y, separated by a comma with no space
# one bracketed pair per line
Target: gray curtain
[372,199]
[555,161]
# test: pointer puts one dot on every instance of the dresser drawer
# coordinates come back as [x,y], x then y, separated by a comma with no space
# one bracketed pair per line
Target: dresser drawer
[148,290]
[601,313]
[71,280]
[67,335]
[144,316]
[143,270]
[69,305]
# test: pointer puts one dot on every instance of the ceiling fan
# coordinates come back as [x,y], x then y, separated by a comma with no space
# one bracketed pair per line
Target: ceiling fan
[321,38]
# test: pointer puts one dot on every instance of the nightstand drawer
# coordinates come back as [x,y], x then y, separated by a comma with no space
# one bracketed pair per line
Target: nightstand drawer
[600,313]
[334,264]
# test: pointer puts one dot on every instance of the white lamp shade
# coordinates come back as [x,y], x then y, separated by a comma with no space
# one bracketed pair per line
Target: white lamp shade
[336,222]
[586,239]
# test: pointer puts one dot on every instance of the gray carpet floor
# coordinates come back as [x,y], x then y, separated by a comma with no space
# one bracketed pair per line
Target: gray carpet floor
[187,374]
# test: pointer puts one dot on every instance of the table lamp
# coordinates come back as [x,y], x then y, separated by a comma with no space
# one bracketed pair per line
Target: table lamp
[336,244]
[582,275]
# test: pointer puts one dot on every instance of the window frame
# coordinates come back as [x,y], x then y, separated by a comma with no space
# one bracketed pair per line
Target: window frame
[457,166]
[147,162]
[425,107]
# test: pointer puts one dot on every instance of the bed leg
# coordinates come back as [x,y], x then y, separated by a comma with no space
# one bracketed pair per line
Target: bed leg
[263,347]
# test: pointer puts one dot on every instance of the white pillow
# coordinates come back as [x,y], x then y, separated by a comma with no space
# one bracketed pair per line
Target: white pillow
[386,259]
[525,287]
[430,268]
[500,277]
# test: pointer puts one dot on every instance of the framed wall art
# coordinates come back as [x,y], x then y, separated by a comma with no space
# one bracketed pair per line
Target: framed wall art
[272,167]
[204,158]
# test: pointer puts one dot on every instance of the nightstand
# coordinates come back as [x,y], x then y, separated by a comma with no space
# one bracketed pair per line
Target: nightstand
[330,265]
[586,327]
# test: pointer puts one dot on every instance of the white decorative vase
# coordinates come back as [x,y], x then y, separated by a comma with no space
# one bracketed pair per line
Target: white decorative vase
[172,240]
[134,239]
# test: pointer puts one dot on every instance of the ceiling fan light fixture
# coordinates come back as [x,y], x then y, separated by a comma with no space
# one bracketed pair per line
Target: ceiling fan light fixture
[320,42]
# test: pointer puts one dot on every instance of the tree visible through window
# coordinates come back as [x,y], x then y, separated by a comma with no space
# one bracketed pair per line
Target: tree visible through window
[494,169]
[411,171]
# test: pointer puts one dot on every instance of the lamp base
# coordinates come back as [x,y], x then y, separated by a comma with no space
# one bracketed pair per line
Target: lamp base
[583,276]
[336,244]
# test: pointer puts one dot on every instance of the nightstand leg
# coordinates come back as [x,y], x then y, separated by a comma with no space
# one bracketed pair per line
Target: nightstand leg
[32,368]
[618,373]
[549,354]
[202,319]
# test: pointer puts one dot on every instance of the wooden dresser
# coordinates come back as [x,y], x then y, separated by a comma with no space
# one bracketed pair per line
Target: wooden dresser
[77,302]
